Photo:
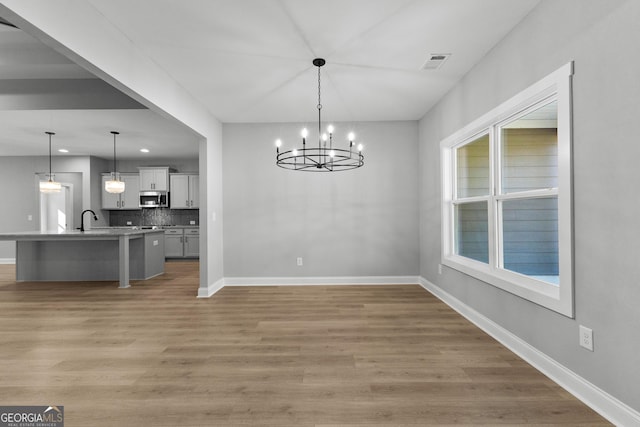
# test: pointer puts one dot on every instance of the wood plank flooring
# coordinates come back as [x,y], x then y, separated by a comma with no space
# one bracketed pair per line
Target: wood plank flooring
[154,355]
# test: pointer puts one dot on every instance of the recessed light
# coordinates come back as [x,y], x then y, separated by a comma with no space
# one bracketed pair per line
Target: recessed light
[63,150]
[144,150]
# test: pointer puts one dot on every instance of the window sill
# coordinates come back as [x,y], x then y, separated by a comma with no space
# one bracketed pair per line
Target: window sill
[543,293]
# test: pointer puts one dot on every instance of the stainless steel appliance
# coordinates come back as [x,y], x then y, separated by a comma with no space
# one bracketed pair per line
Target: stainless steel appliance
[154,199]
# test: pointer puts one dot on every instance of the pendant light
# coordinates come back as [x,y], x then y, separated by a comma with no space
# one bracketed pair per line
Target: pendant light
[50,186]
[114,185]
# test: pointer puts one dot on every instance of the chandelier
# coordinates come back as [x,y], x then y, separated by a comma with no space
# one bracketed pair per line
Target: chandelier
[325,157]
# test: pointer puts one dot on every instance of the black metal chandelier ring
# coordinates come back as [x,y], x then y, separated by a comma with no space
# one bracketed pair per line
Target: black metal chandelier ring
[320,160]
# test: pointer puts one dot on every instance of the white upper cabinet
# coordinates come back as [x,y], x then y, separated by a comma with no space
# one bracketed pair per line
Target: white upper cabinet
[154,178]
[185,189]
[129,199]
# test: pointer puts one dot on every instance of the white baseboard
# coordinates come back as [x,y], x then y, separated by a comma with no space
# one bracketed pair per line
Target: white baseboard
[7,260]
[211,289]
[600,401]
[306,281]
[299,281]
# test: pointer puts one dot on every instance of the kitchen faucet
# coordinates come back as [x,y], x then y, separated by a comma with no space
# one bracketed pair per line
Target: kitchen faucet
[95,218]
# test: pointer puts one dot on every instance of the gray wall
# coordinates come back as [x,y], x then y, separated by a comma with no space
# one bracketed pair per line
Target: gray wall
[602,38]
[362,222]
[129,165]
[21,197]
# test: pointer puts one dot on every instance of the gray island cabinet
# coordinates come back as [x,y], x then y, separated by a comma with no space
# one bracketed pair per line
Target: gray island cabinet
[101,254]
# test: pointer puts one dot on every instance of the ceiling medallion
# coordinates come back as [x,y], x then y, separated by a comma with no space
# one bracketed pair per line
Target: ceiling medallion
[325,157]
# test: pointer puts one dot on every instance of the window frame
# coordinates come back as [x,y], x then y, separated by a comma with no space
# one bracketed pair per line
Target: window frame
[556,86]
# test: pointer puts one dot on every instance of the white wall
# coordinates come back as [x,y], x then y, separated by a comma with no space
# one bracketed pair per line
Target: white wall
[602,38]
[361,222]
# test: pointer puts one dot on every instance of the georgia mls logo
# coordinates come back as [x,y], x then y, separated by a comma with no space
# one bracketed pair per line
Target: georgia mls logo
[31,416]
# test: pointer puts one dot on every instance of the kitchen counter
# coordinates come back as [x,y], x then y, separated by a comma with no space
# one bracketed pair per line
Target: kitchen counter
[95,233]
[97,254]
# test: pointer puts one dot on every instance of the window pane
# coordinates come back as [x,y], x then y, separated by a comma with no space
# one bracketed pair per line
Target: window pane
[473,168]
[471,231]
[530,237]
[530,151]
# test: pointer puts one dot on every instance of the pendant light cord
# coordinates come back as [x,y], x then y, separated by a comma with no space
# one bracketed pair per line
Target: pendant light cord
[50,173]
[114,152]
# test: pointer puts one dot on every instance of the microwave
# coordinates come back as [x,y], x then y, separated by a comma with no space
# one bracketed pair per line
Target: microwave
[154,199]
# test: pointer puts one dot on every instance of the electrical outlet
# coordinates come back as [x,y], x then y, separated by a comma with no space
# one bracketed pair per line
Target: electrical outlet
[439,268]
[192,223]
[299,261]
[586,338]
[129,223]
[29,217]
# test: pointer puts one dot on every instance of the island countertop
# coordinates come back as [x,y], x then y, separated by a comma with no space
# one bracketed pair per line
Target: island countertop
[95,234]
[99,254]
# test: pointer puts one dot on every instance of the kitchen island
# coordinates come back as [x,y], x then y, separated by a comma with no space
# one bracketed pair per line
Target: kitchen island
[101,254]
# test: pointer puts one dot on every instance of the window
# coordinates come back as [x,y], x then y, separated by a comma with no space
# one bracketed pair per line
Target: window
[507,199]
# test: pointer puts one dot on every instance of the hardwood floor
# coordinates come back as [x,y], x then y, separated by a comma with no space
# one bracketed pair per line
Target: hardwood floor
[154,355]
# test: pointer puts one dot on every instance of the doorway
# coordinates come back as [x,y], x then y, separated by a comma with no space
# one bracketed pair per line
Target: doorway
[56,210]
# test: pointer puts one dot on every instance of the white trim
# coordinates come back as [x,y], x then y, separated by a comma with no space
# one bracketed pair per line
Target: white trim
[7,260]
[302,281]
[306,281]
[597,399]
[211,289]
[537,91]
[557,297]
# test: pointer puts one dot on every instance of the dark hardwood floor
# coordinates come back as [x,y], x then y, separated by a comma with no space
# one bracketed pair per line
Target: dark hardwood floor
[155,355]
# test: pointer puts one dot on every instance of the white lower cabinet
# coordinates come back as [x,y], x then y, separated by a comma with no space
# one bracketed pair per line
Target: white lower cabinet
[173,243]
[191,243]
[182,243]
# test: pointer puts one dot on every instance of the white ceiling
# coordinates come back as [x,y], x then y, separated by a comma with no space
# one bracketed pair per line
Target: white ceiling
[250,60]
[87,132]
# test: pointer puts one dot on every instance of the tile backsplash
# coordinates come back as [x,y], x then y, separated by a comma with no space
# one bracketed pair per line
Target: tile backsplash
[155,216]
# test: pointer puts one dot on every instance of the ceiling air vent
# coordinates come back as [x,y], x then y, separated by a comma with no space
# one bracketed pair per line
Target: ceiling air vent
[435,61]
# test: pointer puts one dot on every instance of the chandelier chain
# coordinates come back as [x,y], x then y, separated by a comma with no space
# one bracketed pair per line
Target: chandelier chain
[319,111]
[319,103]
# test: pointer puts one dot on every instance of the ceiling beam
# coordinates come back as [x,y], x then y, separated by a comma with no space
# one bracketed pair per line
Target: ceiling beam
[62,94]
